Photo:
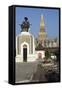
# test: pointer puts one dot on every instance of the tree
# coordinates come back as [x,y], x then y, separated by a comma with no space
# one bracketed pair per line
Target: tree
[47,54]
[57,53]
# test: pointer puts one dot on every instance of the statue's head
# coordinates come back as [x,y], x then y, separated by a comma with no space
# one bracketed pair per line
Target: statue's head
[25,18]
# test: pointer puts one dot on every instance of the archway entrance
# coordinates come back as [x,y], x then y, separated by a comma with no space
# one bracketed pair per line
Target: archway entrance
[24,53]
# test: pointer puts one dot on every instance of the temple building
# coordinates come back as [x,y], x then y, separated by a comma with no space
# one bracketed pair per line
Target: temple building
[43,38]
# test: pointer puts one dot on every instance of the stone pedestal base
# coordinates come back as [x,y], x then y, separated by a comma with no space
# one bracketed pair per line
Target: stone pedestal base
[30,58]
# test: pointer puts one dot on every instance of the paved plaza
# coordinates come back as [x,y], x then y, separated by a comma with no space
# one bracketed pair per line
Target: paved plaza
[32,71]
[25,70]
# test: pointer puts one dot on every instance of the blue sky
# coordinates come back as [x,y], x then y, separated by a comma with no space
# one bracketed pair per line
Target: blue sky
[51,19]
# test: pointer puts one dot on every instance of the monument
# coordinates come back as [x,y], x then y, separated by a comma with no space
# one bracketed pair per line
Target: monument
[25,44]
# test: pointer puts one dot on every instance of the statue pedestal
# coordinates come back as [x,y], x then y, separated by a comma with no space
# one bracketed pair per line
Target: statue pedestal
[25,47]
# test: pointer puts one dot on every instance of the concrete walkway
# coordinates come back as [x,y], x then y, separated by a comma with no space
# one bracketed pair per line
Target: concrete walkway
[25,70]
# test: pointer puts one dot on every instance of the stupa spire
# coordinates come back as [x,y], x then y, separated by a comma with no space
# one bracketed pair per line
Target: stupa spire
[42,24]
[42,33]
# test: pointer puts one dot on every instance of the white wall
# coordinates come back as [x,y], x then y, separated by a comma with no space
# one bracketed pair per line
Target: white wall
[4,44]
[42,53]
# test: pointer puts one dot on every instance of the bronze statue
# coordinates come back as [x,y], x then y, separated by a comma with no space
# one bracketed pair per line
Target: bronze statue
[25,25]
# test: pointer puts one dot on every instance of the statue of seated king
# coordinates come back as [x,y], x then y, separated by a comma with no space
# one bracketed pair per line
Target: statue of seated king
[25,25]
